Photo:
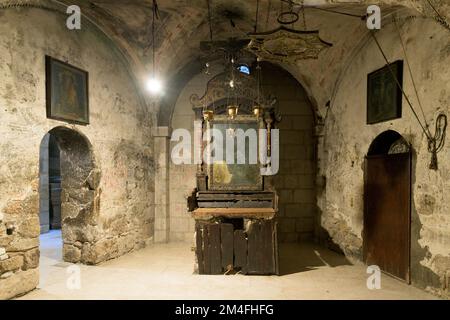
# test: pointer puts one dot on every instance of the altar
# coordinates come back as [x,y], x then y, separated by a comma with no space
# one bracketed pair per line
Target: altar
[235,204]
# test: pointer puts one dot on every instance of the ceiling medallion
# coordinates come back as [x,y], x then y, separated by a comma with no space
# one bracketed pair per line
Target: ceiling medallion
[287,45]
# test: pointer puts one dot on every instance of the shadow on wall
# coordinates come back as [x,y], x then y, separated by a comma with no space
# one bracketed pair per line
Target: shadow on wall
[80,194]
[421,276]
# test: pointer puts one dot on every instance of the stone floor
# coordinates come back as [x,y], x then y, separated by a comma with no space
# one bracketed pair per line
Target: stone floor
[166,272]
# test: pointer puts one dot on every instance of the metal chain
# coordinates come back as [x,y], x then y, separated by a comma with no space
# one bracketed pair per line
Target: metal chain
[304,15]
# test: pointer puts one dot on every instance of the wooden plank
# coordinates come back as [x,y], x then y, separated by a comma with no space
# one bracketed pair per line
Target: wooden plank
[222,197]
[268,266]
[242,192]
[215,248]
[206,250]
[199,248]
[260,247]
[254,246]
[275,247]
[240,251]
[233,204]
[227,245]
[266,213]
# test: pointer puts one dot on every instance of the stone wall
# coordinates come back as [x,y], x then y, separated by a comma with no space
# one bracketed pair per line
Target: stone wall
[183,177]
[295,181]
[346,140]
[121,185]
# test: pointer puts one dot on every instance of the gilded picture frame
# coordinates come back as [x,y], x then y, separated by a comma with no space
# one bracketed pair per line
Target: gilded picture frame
[67,92]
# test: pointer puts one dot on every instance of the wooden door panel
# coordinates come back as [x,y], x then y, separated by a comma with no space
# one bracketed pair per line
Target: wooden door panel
[387,215]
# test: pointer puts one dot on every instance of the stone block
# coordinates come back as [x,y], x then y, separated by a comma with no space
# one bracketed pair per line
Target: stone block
[176,236]
[289,237]
[11,264]
[304,122]
[304,225]
[286,196]
[286,124]
[29,227]
[31,259]
[287,225]
[179,224]
[290,181]
[305,196]
[5,240]
[100,251]
[278,181]
[291,137]
[18,284]
[161,236]
[20,244]
[7,275]
[306,181]
[93,180]
[293,210]
[126,244]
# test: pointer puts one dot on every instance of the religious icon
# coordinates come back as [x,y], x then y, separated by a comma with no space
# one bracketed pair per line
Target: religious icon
[67,92]
[384,93]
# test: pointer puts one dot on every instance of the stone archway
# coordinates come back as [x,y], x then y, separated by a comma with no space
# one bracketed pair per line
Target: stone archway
[80,193]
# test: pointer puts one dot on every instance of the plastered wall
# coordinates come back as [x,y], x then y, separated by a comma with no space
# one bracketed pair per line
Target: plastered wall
[119,138]
[346,140]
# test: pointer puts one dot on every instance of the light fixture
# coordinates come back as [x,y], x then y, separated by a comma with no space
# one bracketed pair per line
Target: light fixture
[233,111]
[257,111]
[154,86]
[244,69]
[208,115]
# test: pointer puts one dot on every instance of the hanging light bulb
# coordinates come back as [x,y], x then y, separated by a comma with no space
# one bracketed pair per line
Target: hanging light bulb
[154,86]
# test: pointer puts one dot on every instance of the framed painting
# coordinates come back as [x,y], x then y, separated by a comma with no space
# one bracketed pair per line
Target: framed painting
[224,176]
[384,97]
[67,92]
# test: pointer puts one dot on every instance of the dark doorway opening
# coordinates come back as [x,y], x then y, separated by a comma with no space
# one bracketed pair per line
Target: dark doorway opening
[54,164]
[50,184]
[387,217]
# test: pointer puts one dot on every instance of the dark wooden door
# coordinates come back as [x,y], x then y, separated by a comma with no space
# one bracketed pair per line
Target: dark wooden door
[387,218]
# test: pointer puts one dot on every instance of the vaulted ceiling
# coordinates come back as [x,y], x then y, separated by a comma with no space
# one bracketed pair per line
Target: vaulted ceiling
[183,24]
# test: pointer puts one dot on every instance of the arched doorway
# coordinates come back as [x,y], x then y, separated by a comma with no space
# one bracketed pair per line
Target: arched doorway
[69,193]
[387,217]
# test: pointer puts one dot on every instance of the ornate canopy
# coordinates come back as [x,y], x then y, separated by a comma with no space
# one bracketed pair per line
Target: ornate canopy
[287,45]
